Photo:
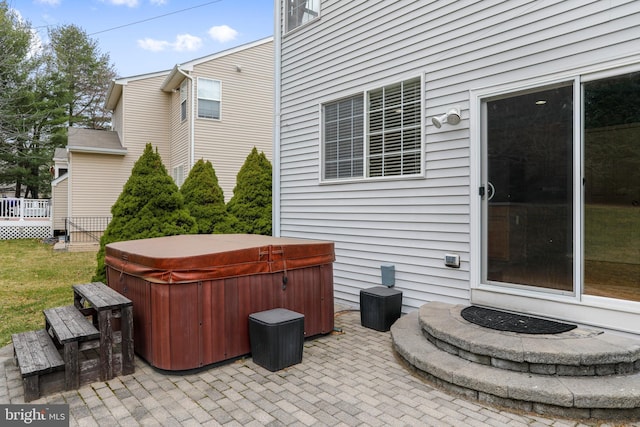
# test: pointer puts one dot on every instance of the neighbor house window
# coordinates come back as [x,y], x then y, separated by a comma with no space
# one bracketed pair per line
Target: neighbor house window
[298,12]
[178,175]
[387,143]
[208,98]
[183,100]
[343,138]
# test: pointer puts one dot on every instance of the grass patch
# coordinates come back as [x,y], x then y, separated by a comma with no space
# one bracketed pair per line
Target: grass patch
[34,277]
[612,233]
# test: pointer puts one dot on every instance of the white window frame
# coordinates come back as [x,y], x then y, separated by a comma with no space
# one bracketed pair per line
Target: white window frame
[183,100]
[602,312]
[215,97]
[309,14]
[350,139]
[178,175]
[366,174]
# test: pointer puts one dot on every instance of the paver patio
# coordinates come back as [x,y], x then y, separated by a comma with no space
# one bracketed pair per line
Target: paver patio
[349,378]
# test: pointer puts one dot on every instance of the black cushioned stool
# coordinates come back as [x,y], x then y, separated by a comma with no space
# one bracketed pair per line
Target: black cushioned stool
[277,338]
[380,306]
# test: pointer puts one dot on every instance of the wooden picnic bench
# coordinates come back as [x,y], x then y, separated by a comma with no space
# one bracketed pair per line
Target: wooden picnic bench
[105,305]
[81,343]
[41,366]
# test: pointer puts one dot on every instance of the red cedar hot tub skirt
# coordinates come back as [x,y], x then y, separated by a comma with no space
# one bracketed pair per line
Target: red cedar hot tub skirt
[193,294]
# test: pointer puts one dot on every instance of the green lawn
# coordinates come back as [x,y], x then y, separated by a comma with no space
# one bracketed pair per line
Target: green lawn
[612,233]
[34,277]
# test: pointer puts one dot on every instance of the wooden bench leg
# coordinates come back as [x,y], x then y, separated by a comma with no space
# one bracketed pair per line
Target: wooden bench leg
[126,328]
[31,386]
[71,366]
[106,345]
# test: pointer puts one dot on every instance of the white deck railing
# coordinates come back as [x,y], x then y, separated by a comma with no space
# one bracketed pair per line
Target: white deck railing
[12,208]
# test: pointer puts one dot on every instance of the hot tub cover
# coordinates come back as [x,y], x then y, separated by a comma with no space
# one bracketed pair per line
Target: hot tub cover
[191,258]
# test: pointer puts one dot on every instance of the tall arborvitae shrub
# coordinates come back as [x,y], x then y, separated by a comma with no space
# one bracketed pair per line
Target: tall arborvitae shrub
[204,197]
[249,210]
[150,205]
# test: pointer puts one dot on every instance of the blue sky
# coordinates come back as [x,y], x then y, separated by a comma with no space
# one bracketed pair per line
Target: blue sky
[191,28]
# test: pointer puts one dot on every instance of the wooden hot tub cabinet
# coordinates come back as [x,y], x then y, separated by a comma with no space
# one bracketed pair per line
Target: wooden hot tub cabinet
[193,294]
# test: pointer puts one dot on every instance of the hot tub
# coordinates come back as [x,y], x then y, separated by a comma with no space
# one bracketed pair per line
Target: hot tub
[193,294]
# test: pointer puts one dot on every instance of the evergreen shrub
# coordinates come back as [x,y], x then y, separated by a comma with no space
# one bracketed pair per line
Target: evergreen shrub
[203,196]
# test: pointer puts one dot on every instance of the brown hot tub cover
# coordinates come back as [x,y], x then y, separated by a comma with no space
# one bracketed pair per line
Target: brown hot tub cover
[192,258]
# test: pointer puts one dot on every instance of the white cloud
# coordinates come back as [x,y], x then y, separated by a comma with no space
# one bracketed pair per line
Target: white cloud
[153,45]
[49,2]
[158,2]
[128,3]
[222,33]
[187,42]
[183,42]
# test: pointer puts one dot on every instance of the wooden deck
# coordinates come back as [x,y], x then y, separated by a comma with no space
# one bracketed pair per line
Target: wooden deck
[22,218]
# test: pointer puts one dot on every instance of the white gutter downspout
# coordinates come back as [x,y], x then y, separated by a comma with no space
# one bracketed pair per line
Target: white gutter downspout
[192,129]
[277,32]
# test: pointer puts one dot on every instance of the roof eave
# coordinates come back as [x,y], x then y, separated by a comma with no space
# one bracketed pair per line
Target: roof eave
[97,150]
[174,78]
[113,94]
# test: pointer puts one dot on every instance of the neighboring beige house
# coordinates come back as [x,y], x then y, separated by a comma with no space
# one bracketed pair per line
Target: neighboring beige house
[217,108]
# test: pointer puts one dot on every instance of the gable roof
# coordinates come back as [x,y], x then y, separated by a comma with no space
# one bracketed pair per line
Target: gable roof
[95,141]
[176,76]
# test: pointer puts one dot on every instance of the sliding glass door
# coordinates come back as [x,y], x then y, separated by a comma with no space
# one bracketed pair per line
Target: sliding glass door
[531,217]
[529,186]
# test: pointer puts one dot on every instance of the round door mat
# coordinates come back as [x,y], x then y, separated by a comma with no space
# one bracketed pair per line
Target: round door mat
[503,321]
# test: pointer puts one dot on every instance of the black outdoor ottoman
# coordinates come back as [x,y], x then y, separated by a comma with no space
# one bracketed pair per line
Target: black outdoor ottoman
[277,338]
[380,306]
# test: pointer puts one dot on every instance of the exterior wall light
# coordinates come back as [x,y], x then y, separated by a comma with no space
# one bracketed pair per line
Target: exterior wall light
[452,117]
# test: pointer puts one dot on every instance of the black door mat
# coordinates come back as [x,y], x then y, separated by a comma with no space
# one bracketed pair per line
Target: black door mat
[503,321]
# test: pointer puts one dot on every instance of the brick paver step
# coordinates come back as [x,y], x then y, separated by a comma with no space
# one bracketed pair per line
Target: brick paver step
[610,397]
[582,351]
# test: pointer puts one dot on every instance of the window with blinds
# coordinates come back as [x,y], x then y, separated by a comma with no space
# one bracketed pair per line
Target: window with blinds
[208,98]
[394,130]
[391,138]
[343,138]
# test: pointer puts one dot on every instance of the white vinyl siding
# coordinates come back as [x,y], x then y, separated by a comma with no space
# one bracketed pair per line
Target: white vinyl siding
[412,223]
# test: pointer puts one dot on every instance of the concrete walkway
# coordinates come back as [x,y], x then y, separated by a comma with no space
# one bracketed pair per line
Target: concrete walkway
[347,379]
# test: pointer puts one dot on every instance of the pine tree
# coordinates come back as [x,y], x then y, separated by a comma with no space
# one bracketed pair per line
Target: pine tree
[150,205]
[87,73]
[250,207]
[203,196]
